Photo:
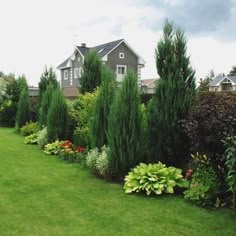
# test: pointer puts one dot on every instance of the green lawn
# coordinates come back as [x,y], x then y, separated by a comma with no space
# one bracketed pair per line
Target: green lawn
[42,195]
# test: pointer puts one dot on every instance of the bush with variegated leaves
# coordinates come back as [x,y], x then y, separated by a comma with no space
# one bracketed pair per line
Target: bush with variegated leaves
[154,178]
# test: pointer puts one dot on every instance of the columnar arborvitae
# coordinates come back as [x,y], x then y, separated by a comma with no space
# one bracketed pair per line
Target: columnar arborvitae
[23,109]
[172,98]
[92,72]
[57,117]
[47,77]
[46,101]
[124,128]
[99,123]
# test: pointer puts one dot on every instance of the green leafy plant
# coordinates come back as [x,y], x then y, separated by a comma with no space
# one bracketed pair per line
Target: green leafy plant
[91,159]
[29,128]
[32,138]
[53,148]
[98,162]
[153,178]
[43,137]
[230,162]
[203,187]
[102,162]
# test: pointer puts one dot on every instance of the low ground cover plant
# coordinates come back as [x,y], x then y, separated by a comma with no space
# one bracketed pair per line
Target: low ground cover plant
[32,138]
[154,179]
[68,151]
[53,148]
[29,128]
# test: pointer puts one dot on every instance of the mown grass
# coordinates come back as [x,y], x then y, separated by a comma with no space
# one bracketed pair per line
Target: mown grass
[42,195]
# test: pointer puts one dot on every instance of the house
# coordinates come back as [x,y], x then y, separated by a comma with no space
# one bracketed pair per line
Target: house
[118,55]
[148,86]
[223,83]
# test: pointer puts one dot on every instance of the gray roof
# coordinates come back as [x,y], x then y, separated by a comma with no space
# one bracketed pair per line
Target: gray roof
[102,50]
[218,79]
[64,64]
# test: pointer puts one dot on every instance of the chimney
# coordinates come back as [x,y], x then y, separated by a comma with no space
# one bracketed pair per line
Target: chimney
[83,45]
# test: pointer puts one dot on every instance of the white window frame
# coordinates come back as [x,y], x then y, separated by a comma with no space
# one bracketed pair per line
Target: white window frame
[76,73]
[121,55]
[80,71]
[121,66]
[78,59]
[66,75]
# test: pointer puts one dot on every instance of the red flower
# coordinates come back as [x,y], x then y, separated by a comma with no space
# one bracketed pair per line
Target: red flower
[80,149]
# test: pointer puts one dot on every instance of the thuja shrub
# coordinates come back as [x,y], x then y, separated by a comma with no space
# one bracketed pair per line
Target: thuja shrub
[57,117]
[125,131]
[212,117]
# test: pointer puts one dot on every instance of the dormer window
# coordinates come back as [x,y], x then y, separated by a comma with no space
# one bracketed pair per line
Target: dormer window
[121,55]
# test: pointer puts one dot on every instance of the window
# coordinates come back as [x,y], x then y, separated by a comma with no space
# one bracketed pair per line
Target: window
[65,74]
[76,73]
[78,59]
[121,55]
[121,70]
[80,71]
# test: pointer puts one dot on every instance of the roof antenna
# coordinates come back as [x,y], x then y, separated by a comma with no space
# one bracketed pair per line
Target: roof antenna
[75,40]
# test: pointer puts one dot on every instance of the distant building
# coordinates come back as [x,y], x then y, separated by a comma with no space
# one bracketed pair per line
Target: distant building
[223,83]
[148,86]
[117,55]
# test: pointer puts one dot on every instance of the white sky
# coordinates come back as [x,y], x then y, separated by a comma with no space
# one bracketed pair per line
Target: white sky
[38,33]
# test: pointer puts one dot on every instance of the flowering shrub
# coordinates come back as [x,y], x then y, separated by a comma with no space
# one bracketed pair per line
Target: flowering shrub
[68,151]
[43,137]
[153,178]
[203,187]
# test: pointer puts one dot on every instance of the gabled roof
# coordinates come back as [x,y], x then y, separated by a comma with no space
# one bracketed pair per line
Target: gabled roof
[218,79]
[102,50]
[64,64]
[146,82]
[105,48]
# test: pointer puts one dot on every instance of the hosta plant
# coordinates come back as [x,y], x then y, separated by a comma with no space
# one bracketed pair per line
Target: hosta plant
[154,178]
[32,139]
[29,128]
[53,148]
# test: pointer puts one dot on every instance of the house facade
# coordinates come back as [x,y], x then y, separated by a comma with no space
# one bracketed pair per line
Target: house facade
[223,83]
[117,55]
[148,86]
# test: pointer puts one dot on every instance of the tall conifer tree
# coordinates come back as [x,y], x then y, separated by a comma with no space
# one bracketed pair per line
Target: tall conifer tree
[125,127]
[99,123]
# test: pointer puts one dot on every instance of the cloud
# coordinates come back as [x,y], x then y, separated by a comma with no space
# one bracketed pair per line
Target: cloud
[208,17]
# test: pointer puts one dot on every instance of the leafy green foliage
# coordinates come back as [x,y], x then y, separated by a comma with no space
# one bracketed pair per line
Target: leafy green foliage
[203,188]
[98,162]
[153,178]
[125,130]
[81,113]
[101,109]
[23,109]
[57,117]
[205,83]
[43,137]
[233,71]
[32,138]
[170,104]
[29,128]
[53,148]
[230,162]
[92,69]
